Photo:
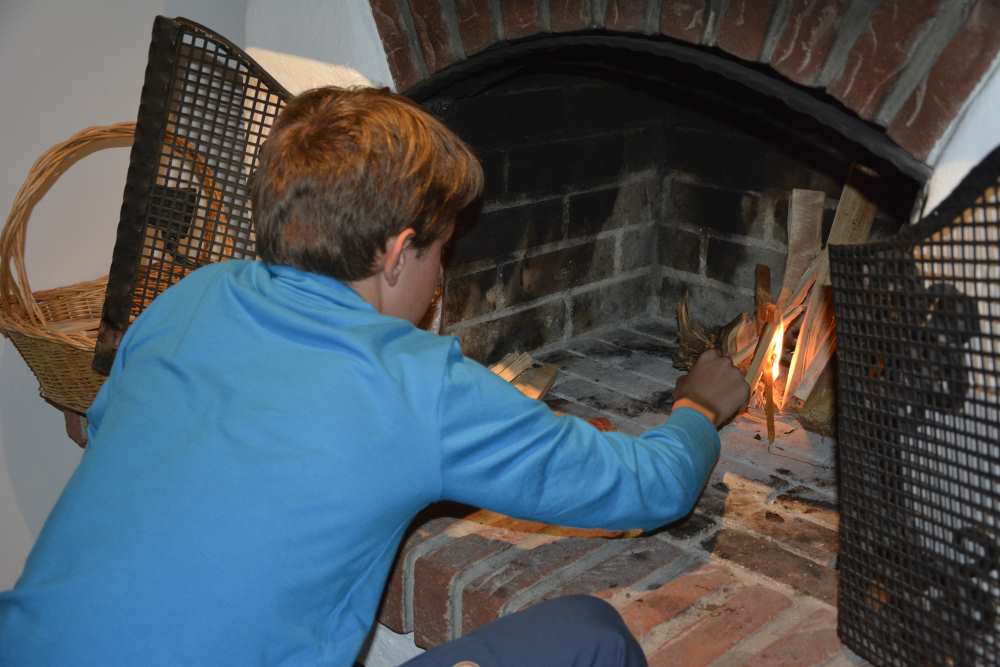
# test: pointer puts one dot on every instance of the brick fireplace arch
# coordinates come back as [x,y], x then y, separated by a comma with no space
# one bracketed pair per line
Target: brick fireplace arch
[903,70]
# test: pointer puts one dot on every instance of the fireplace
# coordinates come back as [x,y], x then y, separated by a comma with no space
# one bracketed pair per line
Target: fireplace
[601,125]
[616,182]
[636,152]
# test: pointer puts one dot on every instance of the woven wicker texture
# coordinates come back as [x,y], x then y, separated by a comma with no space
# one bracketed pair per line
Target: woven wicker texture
[55,330]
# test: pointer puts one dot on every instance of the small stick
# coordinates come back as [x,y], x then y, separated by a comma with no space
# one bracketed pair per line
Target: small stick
[769,406]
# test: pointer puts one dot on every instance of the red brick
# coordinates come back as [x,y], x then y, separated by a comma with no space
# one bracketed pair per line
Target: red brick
[433,34]
[395,40]
[743,27]
[520,18]
[814,541]
[475,24]
[770,559]
[805,501]
[690,526]
[604,579]
[732,621]
[392,613]
[434,575]
[807,39]
[811,642]
[880,53]
[674,598]
[484,598]
[684,19]
[626,15]
[569,15]
[934,104]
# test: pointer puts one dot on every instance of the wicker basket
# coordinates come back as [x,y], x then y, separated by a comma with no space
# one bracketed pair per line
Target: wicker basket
[54,330]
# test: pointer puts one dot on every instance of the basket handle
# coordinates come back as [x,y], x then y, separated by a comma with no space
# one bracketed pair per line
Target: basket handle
[14,285]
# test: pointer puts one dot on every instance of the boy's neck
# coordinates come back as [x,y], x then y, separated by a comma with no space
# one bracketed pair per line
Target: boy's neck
[368,289]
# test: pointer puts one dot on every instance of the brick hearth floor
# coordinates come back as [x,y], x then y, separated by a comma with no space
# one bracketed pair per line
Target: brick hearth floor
[748,579]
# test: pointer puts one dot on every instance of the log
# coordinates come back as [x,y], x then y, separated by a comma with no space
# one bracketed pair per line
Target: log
[763,345]
[818,413]
[512,365]
[805,238]
[817,327]
[816,342]
[536,381]
[762,295]
[803,289]
[820,357]
[852,223]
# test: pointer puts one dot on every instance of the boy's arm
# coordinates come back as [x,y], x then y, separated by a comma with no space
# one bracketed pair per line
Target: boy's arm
[508,453]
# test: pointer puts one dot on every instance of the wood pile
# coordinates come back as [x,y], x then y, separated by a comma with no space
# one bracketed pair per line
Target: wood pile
[801,314]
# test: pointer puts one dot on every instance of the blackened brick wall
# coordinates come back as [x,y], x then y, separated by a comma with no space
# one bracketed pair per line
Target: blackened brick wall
[606,202]
[567,240]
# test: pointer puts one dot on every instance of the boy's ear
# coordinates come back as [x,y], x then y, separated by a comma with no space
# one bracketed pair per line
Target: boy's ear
[394,258]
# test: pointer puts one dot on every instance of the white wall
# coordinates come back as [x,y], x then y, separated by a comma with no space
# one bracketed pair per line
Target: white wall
[64,66]
[68,65]
[976,133]
[310,43]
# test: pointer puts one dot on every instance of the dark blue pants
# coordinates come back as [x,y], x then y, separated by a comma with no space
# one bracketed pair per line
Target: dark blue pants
[575,631]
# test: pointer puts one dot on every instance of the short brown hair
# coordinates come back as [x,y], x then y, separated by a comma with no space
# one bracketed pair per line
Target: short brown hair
[343,170]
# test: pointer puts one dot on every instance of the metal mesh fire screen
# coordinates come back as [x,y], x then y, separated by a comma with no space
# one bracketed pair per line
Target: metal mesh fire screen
[918,325]
[205,109]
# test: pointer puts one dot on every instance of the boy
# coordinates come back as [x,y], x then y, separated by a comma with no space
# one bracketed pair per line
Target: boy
[269,429]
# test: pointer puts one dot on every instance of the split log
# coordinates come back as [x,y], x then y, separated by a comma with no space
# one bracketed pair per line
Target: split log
[536,381]
[512,365]
[530,377]
[805,238]
[816,343]
[762,295]
[818,414]
[763,345]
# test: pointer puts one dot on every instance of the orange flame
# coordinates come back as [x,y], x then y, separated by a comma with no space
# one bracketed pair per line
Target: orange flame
[776,364]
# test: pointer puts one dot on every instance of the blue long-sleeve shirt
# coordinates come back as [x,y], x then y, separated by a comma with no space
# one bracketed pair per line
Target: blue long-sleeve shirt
[262,443]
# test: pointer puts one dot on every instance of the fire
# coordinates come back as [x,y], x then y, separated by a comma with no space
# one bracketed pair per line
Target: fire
[776,364]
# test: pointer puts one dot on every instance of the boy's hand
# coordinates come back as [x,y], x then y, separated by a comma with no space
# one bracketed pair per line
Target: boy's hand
[715,384]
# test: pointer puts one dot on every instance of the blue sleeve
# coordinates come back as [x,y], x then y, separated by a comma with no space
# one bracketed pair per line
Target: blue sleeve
[508,453]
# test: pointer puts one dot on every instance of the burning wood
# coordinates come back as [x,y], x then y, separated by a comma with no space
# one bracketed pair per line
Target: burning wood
[803,312]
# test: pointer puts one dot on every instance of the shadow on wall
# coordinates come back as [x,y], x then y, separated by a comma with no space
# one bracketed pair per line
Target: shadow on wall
[36,456]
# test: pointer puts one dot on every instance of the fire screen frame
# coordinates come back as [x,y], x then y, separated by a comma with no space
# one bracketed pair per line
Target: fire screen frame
[918,327]
[205,108]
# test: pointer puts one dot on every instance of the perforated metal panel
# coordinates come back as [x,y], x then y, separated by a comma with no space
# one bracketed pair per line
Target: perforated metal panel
[918,326]
[206,108]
